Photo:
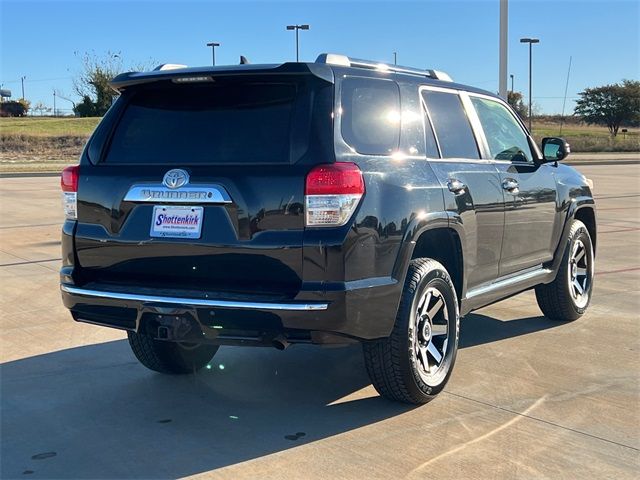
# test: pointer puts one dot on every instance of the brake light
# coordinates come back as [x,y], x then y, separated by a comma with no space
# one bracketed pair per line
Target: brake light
[69,185]
[332,193]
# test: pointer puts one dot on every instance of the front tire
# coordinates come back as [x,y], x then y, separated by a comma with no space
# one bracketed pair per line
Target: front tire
[568,296]
[414,363]
[170,357]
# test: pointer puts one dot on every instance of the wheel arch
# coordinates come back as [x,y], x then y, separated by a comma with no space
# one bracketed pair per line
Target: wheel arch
[582,209]
[444,246]
[587,215]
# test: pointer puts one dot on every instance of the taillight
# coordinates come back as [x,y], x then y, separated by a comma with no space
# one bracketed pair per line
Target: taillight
[69,185]
[332,193]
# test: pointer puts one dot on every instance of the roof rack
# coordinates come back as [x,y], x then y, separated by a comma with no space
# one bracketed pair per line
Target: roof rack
[343,60]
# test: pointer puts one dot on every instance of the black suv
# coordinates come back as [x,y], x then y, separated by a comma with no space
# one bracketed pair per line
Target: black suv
[330,202]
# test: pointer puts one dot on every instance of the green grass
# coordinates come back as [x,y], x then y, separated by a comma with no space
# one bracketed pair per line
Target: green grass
[545,130]
[589,138]
[48,126]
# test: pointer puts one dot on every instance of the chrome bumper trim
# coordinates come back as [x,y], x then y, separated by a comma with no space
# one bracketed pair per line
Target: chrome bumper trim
[198,302]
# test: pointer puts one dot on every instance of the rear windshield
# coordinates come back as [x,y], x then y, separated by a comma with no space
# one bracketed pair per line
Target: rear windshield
[206,123]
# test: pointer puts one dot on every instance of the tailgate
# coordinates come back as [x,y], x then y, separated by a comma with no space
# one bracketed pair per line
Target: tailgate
[201,187]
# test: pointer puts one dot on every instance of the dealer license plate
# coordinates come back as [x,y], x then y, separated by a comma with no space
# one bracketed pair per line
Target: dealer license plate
[176,221]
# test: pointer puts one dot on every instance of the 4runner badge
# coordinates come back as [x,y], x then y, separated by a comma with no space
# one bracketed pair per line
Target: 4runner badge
[175,178]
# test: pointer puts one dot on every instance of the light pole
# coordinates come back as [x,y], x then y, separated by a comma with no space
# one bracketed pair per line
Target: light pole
[213,46]
[54,103]
[296,28]
[511,83]
[22,79]
[504,37]
[395,58]
[530,41]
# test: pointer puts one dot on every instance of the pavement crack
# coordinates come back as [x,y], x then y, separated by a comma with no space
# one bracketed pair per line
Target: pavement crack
[28,262]
[7,227]
[537,419]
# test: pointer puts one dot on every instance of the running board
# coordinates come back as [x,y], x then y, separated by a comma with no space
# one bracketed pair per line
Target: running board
[509,281]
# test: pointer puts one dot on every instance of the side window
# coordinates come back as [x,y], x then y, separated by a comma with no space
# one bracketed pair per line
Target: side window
[371,115]
[451,124]
[506,138]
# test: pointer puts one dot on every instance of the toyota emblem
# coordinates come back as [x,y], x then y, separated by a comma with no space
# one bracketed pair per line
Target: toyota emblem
[175,178]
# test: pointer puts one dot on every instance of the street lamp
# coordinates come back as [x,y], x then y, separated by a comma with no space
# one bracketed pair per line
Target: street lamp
[213,46]
[511,83]
[530,41]
[22,79]
[296,28]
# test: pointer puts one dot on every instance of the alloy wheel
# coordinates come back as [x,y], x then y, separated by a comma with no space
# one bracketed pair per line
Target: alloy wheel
[580,271]
[431,334]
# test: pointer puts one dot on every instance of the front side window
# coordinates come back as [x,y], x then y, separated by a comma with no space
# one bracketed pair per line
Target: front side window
[506,138]
[451,125]
[370,120]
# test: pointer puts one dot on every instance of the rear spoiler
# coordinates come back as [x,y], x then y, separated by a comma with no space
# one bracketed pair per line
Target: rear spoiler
[200,74]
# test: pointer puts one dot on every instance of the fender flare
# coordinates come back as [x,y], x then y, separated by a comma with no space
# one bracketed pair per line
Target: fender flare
[575,204]
[415,229]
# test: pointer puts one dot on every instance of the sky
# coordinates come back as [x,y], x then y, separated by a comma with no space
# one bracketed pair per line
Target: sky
[44,40]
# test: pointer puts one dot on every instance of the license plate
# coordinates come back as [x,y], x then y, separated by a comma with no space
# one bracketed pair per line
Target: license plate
[176,222]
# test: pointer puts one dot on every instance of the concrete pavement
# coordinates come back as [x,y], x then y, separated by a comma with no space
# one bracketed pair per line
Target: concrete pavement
[529,398]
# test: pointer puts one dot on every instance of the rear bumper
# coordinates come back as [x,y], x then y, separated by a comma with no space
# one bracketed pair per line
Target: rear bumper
[336,313]
[196,302]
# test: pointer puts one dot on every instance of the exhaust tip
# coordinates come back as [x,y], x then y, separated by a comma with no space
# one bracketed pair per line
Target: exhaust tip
[280,342]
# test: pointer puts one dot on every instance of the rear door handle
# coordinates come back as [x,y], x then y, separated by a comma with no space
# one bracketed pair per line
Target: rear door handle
[510,185]
[456,187]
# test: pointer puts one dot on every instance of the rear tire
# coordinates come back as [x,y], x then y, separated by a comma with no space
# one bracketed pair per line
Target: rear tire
[568,296]
[170,357]
[414,363]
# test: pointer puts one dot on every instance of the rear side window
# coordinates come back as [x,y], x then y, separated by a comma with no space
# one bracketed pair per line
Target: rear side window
[212,123]
[451,124]
[371,115]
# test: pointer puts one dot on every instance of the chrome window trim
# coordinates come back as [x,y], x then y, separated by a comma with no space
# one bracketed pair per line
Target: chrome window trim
[476,126]
[198,302]
[192,193]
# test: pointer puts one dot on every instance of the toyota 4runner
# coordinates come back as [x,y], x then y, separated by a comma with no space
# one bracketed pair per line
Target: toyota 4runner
[330,202]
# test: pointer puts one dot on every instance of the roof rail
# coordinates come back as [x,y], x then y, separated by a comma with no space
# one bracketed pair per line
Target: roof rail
[343,60]
[168,66]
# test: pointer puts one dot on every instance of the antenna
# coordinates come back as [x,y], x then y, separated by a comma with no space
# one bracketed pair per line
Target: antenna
[564,102]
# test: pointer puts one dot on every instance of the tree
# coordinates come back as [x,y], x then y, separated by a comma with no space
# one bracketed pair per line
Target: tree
[14,108]
[92,84]
[41,107]
[515,100]
[611,105]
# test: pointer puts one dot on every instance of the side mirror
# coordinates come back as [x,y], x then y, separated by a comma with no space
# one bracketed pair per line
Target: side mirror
[554,149]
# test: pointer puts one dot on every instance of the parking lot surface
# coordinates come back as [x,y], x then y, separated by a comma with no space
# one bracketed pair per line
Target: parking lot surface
[529,398]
